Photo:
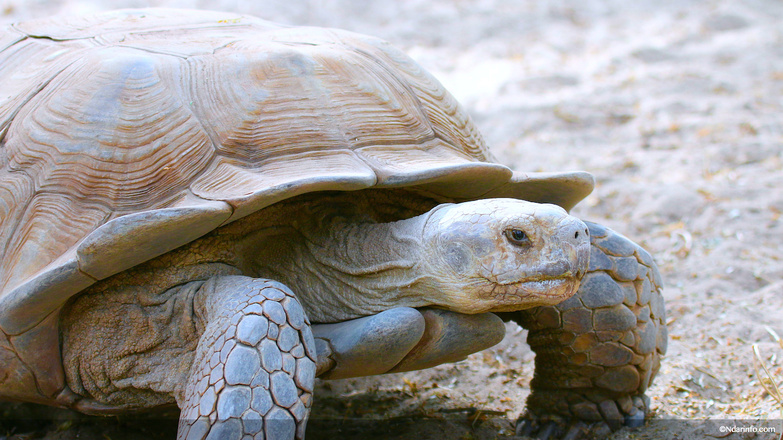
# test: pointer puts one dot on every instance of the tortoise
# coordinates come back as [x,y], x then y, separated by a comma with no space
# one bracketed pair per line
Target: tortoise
[211,210]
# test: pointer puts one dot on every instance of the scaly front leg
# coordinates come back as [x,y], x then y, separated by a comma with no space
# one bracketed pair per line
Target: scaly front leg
[254,367]
[597,352]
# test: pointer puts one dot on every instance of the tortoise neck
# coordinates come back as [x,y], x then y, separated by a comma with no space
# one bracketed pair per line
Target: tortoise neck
[362,268]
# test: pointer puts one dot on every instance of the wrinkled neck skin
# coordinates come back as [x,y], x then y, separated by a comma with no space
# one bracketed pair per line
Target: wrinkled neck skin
[344,264]
[342,268]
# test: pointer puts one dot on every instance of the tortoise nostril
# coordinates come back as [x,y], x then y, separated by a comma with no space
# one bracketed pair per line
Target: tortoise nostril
[576,235]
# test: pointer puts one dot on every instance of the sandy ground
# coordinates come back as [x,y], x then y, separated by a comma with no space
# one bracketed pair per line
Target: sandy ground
[674,106]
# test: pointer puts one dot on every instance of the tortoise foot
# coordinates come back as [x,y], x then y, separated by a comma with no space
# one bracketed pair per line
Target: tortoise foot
[530,428]
[597,352]
[588,419]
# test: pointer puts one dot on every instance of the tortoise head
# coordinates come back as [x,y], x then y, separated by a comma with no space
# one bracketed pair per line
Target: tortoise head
[504,254]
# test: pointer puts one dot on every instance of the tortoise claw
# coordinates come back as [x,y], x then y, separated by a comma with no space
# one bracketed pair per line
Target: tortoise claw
[531,428]
[525,427]
[635,420]
[554,427]
[548,432]
[577,431]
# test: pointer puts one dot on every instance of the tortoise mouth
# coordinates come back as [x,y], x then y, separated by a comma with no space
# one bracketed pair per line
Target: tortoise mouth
[556,289]
[533,293]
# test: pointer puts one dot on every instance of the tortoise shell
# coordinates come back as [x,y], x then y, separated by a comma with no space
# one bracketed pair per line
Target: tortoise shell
[127,134]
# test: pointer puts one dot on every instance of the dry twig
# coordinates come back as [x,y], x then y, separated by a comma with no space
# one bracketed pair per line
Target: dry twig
[766,379]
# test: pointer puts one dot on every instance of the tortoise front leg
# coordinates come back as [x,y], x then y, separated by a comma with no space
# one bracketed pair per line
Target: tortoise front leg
[254,368]
[597,352]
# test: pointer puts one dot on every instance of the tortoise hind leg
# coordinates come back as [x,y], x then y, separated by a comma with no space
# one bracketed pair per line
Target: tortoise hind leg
[253,372]
[597,352]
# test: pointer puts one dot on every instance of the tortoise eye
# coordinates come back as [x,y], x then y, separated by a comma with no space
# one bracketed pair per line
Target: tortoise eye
[517,236]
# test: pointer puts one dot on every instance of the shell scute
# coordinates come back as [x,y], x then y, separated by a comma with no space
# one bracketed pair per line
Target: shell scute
[22,77]
[135,238]
[265,103]
[51,225]
[111,128]
[250,189]
[449,120]
[15,193]
[128,25]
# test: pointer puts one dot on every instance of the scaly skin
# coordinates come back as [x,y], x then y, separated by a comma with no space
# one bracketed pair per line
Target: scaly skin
[254,367]
[597,352]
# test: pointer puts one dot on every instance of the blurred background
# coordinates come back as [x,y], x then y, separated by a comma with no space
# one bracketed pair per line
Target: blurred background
[674,106]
